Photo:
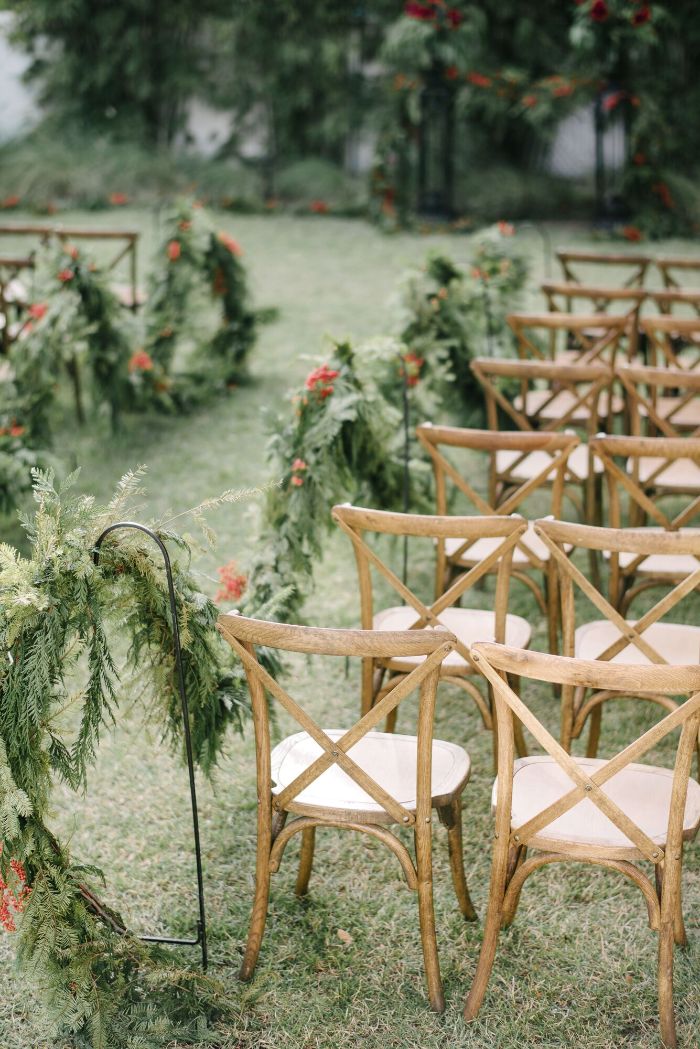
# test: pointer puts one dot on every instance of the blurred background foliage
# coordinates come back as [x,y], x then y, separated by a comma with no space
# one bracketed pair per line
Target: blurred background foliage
[325,104]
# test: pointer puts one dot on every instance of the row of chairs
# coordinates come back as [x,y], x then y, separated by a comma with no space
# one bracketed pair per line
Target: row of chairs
[636,266]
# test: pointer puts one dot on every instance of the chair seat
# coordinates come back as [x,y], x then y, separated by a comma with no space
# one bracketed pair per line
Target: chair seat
[533,464]
[483,547]
[682,475]
[677,643]
[388,758]
[670,565]
[561,403]
[467,624]
[687,417]
[643,792]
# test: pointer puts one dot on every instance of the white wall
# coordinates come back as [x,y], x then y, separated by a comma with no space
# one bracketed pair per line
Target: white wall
[18,110]
[573,150]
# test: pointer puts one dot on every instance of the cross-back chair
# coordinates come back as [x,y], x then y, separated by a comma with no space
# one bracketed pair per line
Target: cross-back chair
[551,452]
[669,265]
[662,401]
[673,342]
[670,300]
[464,624]
[650,471]
[613,813]
[353,778]
[572,261]
[561,297]
[656,638]
[551,398]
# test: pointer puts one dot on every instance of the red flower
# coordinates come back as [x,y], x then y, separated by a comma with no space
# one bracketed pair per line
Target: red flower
[506,229]
[454,17]
[174,250]
[232,245]
[631,233]
[297,481]
[65,275]
[70,249]
[452,72]
[16,431]
[423,12]
[118,199]
[320,381]
[13,899]
[412,366]
[562,90]
[662,191]
[184,225]
[642,15]
[233,582]
[639,159]
[529,101]
[140,362]
[319,207]
[599,11]
[299,464]
[479,80]
[37,310]
[10,202]
[612,100]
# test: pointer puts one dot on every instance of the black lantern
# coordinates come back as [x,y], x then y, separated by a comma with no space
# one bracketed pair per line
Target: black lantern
[436,146]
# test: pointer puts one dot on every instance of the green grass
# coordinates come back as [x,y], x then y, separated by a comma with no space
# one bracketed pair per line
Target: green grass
[576,968]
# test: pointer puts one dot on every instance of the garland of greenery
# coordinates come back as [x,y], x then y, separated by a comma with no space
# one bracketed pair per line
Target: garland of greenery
[59,611]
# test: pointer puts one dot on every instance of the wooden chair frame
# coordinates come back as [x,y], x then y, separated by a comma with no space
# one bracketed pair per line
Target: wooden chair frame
[578,706]
[666,299]
[644,500]
[585,383]
[642,386]
[666,263]
[356,521]
[663,333]
[557,446]
[274,809]
[510,865]
[561,295]
[638,263]
[589,344]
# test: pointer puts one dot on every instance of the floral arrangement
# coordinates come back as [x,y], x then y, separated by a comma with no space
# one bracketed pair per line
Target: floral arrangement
[61,616]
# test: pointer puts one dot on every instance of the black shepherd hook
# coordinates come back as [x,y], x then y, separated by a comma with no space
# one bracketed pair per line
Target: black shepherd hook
[201,921]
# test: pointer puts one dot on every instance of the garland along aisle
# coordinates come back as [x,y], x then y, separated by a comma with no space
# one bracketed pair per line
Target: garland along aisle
[58,613]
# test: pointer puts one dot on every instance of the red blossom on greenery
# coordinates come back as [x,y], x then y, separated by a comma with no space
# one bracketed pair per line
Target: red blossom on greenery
[613,100]
[232,245]
[562,90]
[642,15]
[118,199]
[599,11]
[297,481]
[16,431]
[664,193]
[37,310]
[13,898]
[65,275]
[320,381]
[631,233]
[140,362]
[70,249]
[184,225]
[299,464]
[479,79]
[506,229]
[639,159]
[174,250]
[454,17]
[529,101]
[319,207]
[423,12]
[233,582]
[452,72]
[411,368]
[11,201]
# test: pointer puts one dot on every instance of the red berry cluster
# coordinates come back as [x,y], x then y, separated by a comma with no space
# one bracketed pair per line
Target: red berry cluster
[13,899]
[233,583]
[320,381]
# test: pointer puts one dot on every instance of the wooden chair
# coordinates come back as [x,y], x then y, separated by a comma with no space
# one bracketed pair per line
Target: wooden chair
[650,471]
[354,778]
[670,300]
[648,641]
[673,342]
[612,813]
[551,450]
[464,624]
[665,401]
[669,265]
[571,338]
[572,261]
[562,295]
[552,398]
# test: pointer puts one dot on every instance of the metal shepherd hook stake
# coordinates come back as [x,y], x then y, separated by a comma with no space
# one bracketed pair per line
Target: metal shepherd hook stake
[201,921]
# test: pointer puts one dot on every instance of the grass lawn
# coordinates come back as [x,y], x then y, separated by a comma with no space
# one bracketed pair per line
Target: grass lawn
[578,965]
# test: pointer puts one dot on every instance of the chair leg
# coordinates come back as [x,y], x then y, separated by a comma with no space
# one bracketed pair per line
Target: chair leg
[426,916]
[451,817]
[516,859]
[594,731]
[665,983]
[261,899]
[494,918]
[306,859]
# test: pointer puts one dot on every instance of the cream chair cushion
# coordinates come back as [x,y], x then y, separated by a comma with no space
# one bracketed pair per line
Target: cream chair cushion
[562,403]
[481,549]
[671,565]
[467,624]
[677,643]
[389,758]
[643,792]
[680,474]
[534,463]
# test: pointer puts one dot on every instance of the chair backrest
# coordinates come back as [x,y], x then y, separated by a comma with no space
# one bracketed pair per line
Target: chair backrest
[584,383]
[645,469]
[663,399]
[244,635]
[496,662]
[674,342]
[562,538]
[556,448]
[670,265]
[670,300]
[561,297]
[572,261]
[587,337]
[356,522]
